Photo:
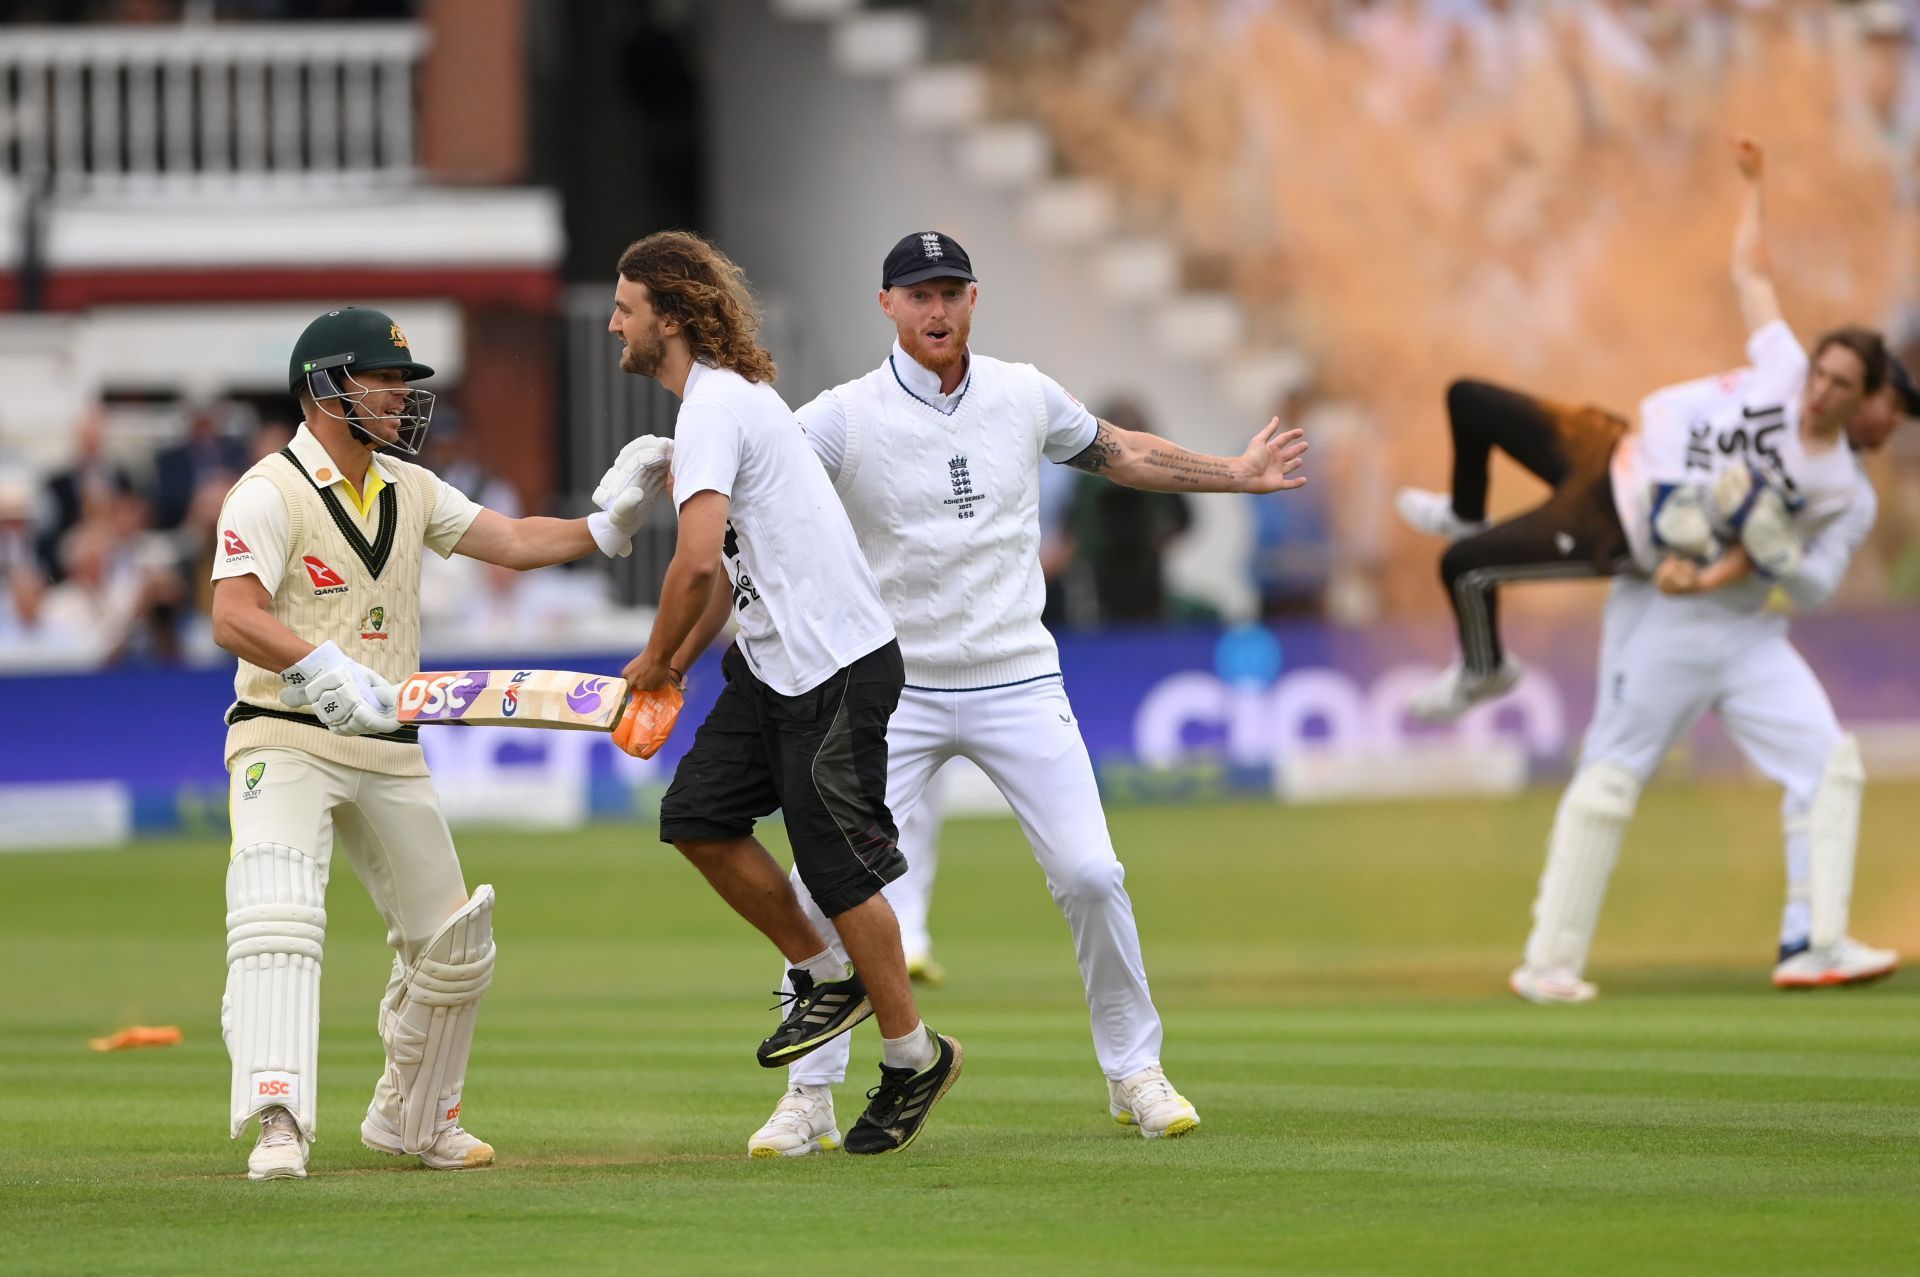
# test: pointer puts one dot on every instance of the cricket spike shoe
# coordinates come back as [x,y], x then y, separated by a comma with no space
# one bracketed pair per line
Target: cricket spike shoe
[1459,689]
[281,1151]
[1848,962]
[802,1123]
[898,1107]
[1431,512]
[1147,1100]
[816,1014]
[453,1149]
[1551,986]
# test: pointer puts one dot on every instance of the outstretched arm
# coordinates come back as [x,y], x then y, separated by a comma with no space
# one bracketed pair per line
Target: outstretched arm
[1136,459]
[1752,270]
[534,542]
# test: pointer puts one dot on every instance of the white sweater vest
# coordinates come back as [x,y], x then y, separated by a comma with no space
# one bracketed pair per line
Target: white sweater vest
[362,590]
[947,511]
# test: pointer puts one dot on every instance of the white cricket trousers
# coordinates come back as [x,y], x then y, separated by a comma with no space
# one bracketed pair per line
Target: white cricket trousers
[1026,740]
[391,829]
[1666,660]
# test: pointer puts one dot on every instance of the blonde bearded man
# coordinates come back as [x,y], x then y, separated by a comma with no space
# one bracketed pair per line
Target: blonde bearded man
[317,591]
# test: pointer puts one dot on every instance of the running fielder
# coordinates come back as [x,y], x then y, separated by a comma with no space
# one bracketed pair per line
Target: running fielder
[936,455]
[317,592]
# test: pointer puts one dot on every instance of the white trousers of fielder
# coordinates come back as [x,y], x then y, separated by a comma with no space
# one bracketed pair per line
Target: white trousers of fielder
[1666,661]
[1025,738]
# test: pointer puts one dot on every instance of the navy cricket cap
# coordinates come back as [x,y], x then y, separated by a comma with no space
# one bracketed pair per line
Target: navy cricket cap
[925,255]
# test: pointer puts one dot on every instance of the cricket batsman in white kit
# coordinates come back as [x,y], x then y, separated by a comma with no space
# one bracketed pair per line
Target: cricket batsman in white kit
[317,592]
[936,455]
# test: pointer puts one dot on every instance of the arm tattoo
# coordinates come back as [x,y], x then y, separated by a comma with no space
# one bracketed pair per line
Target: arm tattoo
[1098,455]
[1190,468]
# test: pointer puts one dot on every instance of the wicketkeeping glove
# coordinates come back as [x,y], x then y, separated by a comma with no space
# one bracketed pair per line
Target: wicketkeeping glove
[1761,517]
[1681,523]
[349,698]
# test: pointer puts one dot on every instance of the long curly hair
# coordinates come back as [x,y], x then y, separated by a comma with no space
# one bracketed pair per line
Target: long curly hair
[698,287]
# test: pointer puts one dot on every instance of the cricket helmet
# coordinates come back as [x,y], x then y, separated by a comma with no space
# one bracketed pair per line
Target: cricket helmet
[356,339]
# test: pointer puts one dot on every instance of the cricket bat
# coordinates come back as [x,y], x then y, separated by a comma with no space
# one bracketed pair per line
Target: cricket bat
[515,698]
[640,721]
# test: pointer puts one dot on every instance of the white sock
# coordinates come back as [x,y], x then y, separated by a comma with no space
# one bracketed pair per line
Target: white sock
[824,967]
[820,1094]
[915,1050]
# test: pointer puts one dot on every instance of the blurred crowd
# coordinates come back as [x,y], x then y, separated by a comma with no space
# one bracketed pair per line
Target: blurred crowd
[1406,191]
[148,11]
[106,559]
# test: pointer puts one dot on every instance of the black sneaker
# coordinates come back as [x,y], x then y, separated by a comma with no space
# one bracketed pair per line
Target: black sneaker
[900,1104]
[816,1014]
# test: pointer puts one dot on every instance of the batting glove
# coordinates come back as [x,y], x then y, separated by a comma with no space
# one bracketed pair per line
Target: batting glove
[637,476]
[349,698]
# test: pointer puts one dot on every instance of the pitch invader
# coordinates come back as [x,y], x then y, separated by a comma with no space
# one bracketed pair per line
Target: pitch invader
[936,455]
[317,592]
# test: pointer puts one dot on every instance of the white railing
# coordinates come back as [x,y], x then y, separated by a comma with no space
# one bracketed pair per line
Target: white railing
[150,110]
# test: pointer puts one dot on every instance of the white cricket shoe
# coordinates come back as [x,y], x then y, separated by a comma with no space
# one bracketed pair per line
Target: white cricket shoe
[1432,513]
[802,1123]
[452,1150]
[281,1151]
[1848,962]
[1552,985]
[1459,689]
[1147,1100]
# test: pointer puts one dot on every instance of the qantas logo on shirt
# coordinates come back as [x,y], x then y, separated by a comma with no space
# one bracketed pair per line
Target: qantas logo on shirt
[325,579]
[234,545]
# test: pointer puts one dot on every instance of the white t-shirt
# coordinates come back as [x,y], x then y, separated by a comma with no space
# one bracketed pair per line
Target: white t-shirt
[1691,431]
[255,524]
[804,599]
[1070,427]
[944,495]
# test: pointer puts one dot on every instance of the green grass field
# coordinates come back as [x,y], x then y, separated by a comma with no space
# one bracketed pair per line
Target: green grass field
[1333,985]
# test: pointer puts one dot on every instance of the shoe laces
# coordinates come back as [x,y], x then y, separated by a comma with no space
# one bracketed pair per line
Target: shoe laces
[892,1091]
[278,1127]
[1152,1088]
[799,998]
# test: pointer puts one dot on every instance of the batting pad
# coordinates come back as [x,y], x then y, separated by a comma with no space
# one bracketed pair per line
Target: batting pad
[1833,838]
[276,925]
[429,1030]
[1587,832]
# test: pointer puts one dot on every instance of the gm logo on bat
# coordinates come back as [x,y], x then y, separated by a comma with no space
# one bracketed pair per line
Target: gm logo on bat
[448,696]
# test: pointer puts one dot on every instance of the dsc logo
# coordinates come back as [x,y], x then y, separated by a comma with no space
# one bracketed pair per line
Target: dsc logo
[453,1114]
[275,1087]
[441,695]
